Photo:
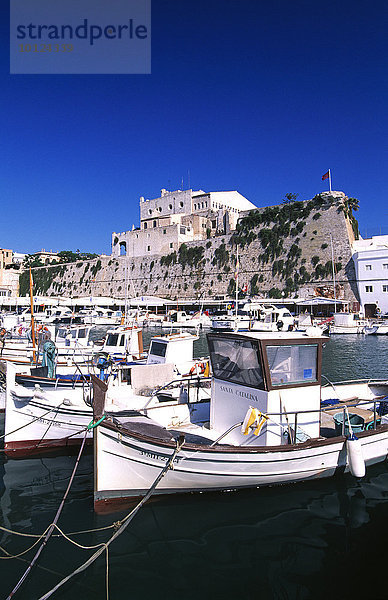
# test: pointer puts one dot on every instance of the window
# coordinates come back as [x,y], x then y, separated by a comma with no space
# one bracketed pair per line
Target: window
[158,348]
[369,288]
[385,265]
[145,225]
[112,339]
[368,267]
[385,288]
[164,232]
[171,245]
[236,361]
[292,364]
[195,207]
[148,248]
[181,204]
[149,211]
[154,224]
[170,206]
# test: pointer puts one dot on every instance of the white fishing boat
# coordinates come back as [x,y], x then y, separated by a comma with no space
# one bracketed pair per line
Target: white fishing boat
[345,322]
[179,319]
[101,316]
[40,417]
[275,319]
[73,343]
[266,426]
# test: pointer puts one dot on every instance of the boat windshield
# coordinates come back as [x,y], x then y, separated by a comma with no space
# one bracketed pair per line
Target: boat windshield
[236,360]
[289,365]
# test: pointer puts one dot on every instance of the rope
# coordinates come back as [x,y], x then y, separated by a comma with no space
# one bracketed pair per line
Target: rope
[36,535]
[52,526]
[124,524]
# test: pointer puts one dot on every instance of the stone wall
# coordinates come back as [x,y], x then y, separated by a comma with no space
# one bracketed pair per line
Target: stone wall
[301,264]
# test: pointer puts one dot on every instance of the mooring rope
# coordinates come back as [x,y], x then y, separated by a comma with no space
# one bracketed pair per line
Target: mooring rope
[123,525]
[52,526]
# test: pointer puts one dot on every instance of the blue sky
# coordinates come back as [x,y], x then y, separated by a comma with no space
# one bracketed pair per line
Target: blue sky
[258,96]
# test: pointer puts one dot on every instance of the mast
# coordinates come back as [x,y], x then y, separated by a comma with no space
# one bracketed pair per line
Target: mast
[236,301]
[32,318]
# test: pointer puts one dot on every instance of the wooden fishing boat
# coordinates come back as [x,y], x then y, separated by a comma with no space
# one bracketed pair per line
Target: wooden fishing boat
[270,422]
[44,415]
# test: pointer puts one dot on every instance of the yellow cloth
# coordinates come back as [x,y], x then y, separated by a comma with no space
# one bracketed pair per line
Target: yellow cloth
[252,416]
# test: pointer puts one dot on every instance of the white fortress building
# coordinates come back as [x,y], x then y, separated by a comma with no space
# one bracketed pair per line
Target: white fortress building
[370,257]
[177,217]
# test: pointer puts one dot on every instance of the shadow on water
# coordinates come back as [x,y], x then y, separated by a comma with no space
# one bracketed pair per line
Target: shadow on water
[319,539]
[311,540]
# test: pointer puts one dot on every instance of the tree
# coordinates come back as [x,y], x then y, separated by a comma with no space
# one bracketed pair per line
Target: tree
[289,198]
[31,260]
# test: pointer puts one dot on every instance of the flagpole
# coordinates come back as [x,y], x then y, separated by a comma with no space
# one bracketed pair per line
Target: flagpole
[329,180]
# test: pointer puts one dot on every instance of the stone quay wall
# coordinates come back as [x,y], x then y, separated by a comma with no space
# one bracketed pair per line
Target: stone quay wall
[281,256]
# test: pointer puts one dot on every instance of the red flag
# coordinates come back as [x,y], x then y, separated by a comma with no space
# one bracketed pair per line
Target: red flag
[326,175]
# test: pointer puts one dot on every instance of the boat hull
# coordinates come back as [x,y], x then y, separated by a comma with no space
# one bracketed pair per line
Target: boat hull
[128,464]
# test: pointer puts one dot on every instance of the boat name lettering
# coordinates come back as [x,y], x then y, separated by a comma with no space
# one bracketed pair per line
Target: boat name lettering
[157,456]
[47,422]
[223,388]
[247,395]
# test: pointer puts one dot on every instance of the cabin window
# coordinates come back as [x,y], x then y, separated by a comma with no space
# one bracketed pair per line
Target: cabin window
[111,340]
[82,333]
[158,349]
[292,364]
[236,360]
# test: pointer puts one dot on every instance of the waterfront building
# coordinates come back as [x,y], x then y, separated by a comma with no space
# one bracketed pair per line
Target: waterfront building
[370,257]
[178,217]
[47,257]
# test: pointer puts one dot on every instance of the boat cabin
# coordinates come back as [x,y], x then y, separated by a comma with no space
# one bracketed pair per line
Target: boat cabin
[123,342]
[176,349]
[280,375]
[77,335]
[275,319]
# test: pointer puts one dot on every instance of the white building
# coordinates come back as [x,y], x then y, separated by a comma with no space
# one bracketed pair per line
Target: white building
[177,217]
[370,259]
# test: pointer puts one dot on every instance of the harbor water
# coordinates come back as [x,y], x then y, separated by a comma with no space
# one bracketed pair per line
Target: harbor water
[318,539]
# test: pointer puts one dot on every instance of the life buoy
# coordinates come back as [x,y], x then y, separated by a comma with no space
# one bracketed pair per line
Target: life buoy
[20,330]
[198,369]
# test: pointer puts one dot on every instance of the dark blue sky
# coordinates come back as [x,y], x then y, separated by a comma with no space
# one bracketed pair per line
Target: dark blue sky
[258,96]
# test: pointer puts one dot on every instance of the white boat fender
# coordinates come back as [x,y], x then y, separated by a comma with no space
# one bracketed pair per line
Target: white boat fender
[355,458]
